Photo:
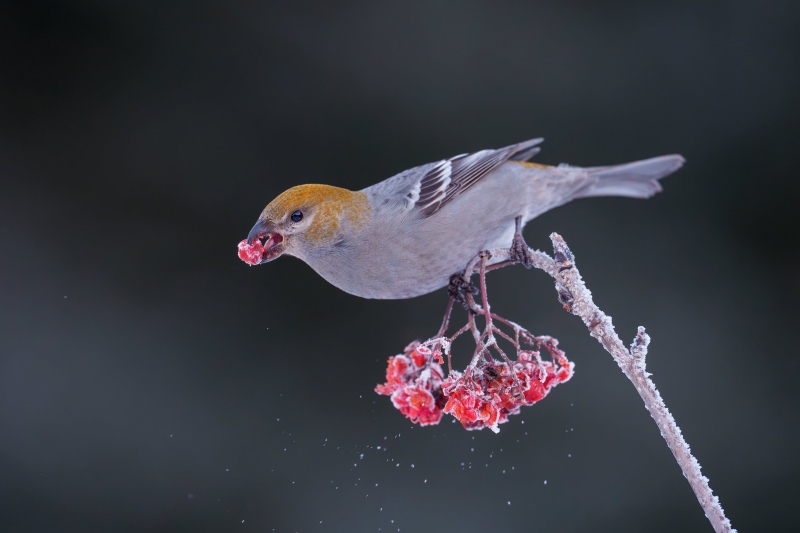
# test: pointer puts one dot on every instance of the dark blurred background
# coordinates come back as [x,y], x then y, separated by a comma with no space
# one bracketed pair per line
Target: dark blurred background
[151,381]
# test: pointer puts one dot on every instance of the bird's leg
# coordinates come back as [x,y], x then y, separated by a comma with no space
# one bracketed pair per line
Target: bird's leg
[520,253]
[458,288]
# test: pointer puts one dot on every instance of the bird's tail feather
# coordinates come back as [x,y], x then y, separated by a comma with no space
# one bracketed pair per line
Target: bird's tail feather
[638,179]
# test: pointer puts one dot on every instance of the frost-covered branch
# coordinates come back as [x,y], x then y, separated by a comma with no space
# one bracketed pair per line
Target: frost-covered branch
[493,386]
[577,299]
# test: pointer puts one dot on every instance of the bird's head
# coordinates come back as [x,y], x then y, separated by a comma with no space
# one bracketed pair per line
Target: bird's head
[305,218]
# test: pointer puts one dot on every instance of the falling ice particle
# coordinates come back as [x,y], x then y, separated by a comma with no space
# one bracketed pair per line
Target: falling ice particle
[379,447]
[425,481]
[361,456]
[509,503]
[545,482]
[412,465]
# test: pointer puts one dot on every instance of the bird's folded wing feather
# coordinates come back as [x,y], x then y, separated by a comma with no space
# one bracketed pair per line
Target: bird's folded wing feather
[429,187]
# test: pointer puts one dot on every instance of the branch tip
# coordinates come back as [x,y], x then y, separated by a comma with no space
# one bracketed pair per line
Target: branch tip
[640,343]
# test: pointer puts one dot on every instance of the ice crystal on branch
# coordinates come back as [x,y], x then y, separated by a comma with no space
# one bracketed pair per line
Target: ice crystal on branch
[492,387]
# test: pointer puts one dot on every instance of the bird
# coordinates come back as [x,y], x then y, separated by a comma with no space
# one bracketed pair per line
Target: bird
[408,235]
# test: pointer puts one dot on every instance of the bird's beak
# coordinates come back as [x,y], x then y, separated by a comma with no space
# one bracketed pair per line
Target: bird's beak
[271,240]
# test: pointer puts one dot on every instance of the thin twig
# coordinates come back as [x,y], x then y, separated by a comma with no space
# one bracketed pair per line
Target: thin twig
[576,298]
[446,321]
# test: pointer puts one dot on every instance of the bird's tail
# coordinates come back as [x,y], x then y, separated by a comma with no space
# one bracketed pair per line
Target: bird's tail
[638,179]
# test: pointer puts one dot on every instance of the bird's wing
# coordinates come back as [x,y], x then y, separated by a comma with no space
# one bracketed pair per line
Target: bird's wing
[428,188]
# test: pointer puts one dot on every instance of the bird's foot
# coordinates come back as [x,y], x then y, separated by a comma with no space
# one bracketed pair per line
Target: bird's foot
[458,289]
[520,252]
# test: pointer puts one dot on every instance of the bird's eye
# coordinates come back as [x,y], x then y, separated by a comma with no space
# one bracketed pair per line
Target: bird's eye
[297,216]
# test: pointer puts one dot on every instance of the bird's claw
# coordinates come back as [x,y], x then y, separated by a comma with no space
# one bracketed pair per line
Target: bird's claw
[520,252]
[458,289]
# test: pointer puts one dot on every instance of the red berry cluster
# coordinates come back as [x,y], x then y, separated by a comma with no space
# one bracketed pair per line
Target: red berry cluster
[485,396]
[480,397]
[414,382]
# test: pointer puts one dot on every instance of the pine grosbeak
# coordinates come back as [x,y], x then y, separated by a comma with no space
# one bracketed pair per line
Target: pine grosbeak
[406,236]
